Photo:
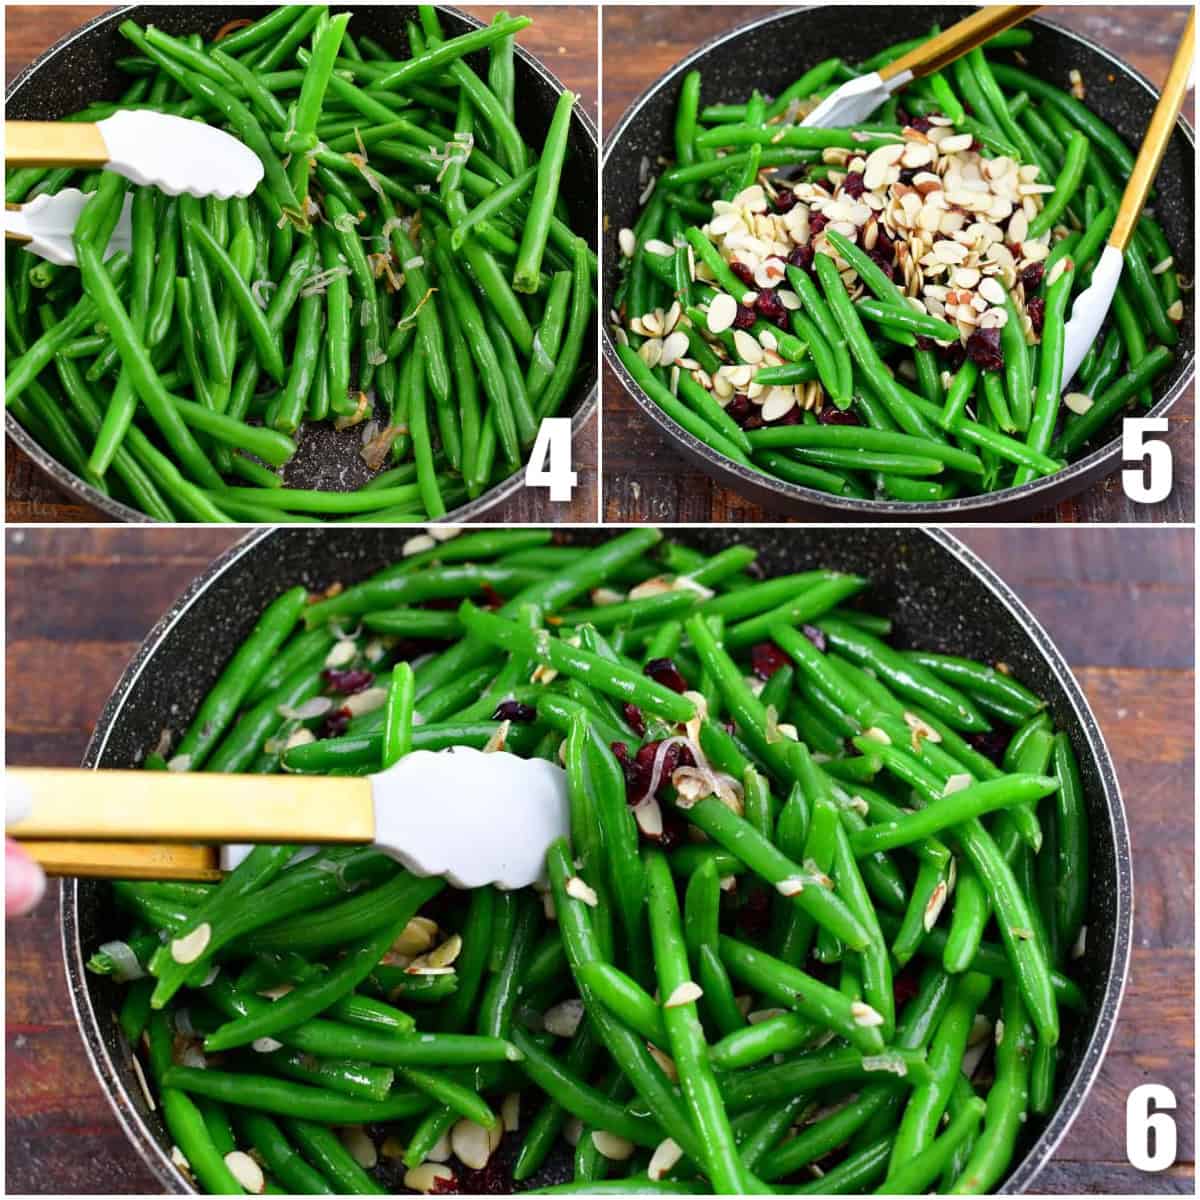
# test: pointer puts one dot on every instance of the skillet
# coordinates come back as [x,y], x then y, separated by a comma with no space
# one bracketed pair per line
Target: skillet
[80,69]
[941,596]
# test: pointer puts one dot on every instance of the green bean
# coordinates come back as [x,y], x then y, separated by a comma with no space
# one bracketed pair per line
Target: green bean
[536,229]
[239,676]
[324,1149]
[685,1035]
[278,1154]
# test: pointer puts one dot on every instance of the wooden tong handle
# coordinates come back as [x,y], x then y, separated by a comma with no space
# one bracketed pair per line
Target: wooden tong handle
[53,144]
[1154,144]
[126,860]
[954,42]
[165,806]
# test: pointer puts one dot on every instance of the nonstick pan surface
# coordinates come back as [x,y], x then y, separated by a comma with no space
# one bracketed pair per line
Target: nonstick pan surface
[81,69]
[939,594]
[770,53]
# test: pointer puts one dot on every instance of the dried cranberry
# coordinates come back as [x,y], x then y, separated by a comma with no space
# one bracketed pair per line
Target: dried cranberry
[816,222]
[907,175]
[853,185]
[816,636]
[954,354]
[754,914]
[925,343]
[754,421]
[884,243]
[836,416]
[514,710]
[1031,277]
[335,723]
[446,1187]
[743,272]
[347,683]
[905,985]
[770,307]
[976,146]
[785,201]
[628,766]
[745,318]
[634,719]
[491,597]
[640,773]
[766,658]
[1036,308]
[903,118]
[801,257]
[991,745]
[674,830]
[983,349]
[920,124]
[664,671]
[883,260]
[739,408]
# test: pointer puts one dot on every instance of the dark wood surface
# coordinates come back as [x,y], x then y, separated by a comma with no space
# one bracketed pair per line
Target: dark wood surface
[1118,602]
[562,37]
[645,478]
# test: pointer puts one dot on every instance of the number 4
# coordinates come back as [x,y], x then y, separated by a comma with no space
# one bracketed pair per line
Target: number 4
[1146,453]
[550,460]
[1145,1115]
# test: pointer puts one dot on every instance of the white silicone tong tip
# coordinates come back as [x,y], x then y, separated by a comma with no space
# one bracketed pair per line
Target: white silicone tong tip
[474,817]
[179,156]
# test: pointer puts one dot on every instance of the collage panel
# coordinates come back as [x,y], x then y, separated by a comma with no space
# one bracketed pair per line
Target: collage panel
[435,206]
[711,778]
[754,154]
[935,676]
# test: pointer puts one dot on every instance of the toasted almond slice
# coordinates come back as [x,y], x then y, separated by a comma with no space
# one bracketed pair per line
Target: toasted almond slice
[246,1171]
[615,1148]
[425,1178]
[578,889]
[722,312]
[563,1019]
[191,946]
[687,992]
[360,1146]
[471,1144]
[666,1154]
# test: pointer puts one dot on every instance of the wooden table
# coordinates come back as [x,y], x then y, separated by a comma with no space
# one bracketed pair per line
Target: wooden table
[645,478]
[1119,603]
[562,37]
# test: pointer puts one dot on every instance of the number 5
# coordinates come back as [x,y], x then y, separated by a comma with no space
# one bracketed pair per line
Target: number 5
[1153,454]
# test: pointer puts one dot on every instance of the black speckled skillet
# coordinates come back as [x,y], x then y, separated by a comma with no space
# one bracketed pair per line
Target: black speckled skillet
[80,69]
[769,54]
[940,595]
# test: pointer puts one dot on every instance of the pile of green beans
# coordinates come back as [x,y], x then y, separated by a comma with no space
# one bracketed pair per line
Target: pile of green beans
[887,392]
[406,267]
[883,870]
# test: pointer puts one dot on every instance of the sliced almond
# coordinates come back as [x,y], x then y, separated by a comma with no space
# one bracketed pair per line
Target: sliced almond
[687,992]
[722,312]
[471,1144]
[246,1171]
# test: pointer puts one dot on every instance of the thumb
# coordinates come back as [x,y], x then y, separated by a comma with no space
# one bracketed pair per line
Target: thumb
[24,882]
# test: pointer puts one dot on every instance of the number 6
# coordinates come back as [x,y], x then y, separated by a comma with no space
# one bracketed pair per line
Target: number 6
[1144,1116]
